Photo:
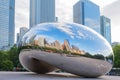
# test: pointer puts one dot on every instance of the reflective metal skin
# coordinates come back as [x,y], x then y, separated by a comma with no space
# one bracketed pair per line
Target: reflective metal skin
[71,47]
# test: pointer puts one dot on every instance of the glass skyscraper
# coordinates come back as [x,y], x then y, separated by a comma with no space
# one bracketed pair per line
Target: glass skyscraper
[87,13]
[41,11]
[106,28]
[23,30]
[7,11]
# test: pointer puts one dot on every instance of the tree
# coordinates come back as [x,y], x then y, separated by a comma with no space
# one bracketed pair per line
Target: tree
[116,50]
[3,57]
[7,65]
[14,56]
[9,59]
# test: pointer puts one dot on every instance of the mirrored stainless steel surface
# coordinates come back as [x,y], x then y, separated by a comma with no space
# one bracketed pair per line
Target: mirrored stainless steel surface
[71,47]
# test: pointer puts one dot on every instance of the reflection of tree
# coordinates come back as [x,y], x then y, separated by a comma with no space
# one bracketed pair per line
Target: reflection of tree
[110,57]
[99,56]
[47,49]
[96,56]
[88,55]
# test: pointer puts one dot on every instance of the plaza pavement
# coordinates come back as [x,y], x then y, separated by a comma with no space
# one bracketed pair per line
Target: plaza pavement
[50,76]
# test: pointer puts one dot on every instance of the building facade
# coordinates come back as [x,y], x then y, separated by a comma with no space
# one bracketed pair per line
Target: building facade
[7,25]
[106,28]
[41,11]
[23,30]
[18,38]
[87,13]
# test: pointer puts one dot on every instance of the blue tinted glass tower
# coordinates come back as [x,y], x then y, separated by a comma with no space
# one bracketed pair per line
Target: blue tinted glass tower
[7,12]
[106,28]
[41,11]
[87,13]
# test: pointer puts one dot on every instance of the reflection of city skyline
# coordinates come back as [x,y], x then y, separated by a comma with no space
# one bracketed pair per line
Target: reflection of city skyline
[86,44]
[42,42]
[65,48]
[63,44]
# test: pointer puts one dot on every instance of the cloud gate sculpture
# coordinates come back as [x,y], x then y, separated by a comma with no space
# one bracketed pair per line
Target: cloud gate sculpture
[71,47]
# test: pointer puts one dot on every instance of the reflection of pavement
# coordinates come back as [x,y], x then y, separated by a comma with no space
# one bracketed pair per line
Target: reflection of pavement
[77,65]
[53,76]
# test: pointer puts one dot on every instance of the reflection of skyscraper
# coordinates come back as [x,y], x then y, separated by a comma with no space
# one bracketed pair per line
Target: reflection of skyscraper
[106,28]
[66,45]
[74,47]
[57,45]
[87,13]
[7,9]
[76,50]
[41,11]
[41,41]
[32,40]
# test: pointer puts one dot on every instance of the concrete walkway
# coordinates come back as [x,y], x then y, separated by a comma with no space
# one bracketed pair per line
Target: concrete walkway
[51,76]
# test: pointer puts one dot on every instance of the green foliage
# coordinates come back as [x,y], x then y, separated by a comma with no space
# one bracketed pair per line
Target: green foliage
[3,57]
[7,65]
[9,59]
[14,56]
[116,51]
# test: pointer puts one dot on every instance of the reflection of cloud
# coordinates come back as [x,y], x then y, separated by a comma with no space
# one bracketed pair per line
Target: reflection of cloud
[42,27]
[80,35]
[65,28]
[92,22]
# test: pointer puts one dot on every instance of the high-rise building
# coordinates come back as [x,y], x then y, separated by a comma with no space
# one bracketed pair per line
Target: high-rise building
[23,30]
[87,13]
[18,38]
[7,14]
[41,11]
[106,28]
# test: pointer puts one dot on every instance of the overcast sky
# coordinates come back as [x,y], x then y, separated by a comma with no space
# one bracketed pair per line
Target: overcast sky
[109,8]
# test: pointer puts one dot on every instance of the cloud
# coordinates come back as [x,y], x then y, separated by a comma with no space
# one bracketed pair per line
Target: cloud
[65,28]
[103,3]
[65,14]
[64,10]
[112,11]
[80,35]
[21,14]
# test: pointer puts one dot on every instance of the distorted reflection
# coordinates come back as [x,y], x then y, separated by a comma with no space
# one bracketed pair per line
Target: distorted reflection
[69,39]
[68,46]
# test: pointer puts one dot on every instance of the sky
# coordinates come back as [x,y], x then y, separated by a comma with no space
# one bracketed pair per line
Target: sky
[109,8]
